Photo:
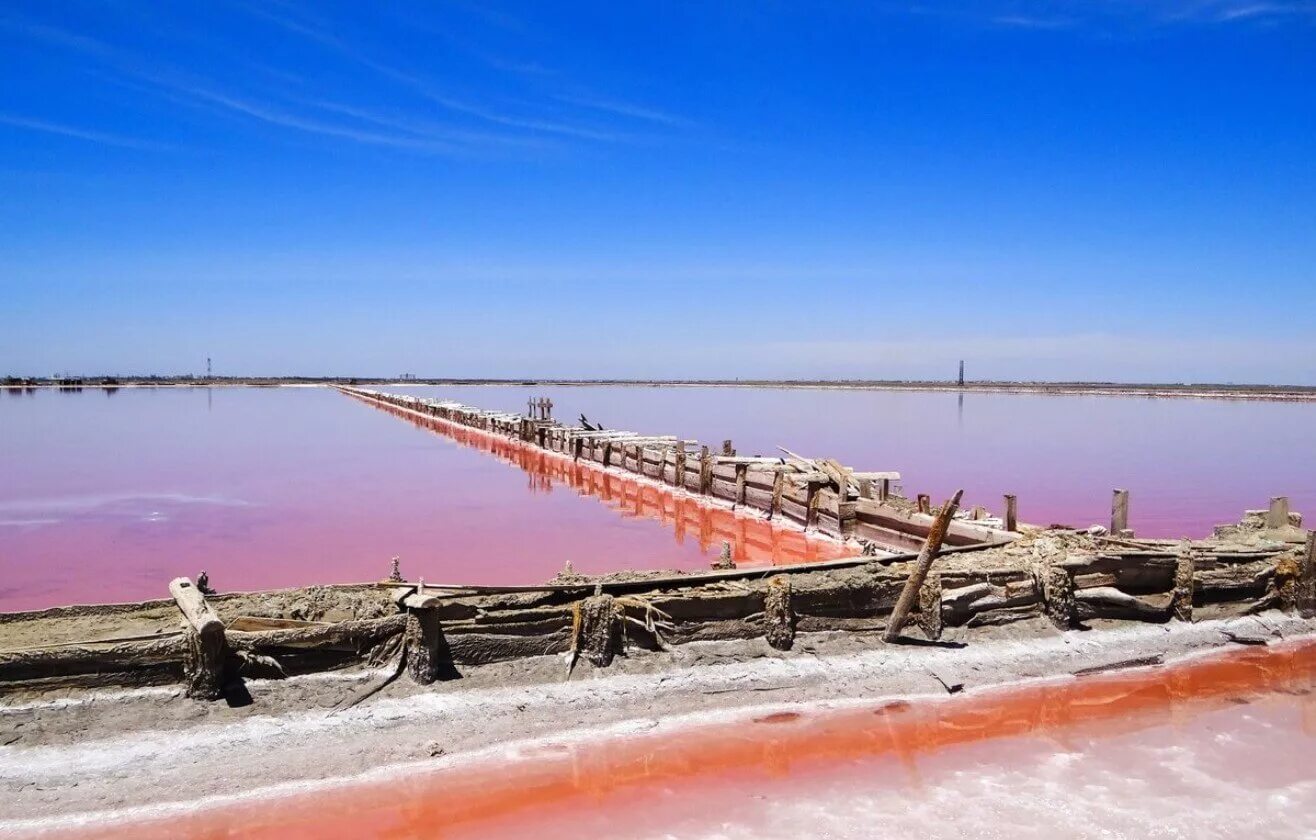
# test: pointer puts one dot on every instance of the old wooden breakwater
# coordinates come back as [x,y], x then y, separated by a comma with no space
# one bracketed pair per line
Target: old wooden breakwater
[984,577]
[819,495]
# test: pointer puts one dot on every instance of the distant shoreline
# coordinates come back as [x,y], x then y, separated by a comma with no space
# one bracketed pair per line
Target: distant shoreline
[1214,391]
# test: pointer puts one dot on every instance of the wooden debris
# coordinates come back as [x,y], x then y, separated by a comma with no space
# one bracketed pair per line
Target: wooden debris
[929,618]
[931,547]
[778,615]
[203,635]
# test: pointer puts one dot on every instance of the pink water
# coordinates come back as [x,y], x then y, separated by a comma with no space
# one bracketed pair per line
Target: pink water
[1189,464]
[1214,747]
[106,497]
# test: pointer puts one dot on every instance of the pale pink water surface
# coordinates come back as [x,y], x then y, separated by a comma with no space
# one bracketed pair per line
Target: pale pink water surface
[1216,746]
[1189,464]
[105,497]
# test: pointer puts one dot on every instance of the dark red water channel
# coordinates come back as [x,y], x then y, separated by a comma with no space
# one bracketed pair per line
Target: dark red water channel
[106,498]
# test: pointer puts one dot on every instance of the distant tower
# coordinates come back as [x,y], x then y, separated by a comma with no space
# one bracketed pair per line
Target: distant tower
[208,369]
[961,373]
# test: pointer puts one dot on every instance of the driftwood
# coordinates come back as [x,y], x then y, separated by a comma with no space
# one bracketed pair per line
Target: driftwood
[931,548]
[72,662]
[360,635]
[778,614]
[203,635]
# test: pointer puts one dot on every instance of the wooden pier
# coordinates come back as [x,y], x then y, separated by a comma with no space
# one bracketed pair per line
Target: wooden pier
[816,495]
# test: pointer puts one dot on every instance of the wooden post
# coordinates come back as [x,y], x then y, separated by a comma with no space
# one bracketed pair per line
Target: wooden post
[1181,596]
[778,616]
[931,547]
[679,469]
[548,408]
[423,638]
[778,485]
[924,503]
[1278,516]
[206,647]
[726,448]
[811,501]
[884,490]
[1306,600]
[1011,513]
[1119,513]
[427,654]
[705,471]
[740,483]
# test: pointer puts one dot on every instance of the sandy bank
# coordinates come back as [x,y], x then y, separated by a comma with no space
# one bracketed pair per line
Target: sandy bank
[93,756]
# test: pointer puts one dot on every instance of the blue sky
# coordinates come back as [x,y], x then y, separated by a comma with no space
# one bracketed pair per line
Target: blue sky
[1104,189]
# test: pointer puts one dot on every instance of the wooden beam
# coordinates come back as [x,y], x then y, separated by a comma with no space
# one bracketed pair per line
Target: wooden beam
[1278,514]
[1119,513]
[931,548]
[204,636]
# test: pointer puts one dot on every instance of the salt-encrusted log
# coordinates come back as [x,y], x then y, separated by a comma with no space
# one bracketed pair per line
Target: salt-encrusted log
[778,614]
[1058,596]
[1011,512]
[74,661]
[876,519]
[423,643]
[203,637]
[921,567]
[1182,594]
[1141,572]
[359,635]
[928,617]
[1108,602]
[597,630]
[1305,596]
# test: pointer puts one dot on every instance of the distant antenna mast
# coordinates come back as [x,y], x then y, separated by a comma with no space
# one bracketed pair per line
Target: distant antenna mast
[208,369]
[961,373]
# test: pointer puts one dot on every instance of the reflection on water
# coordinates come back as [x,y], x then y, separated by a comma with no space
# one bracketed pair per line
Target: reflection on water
[107,500]
[753,541]
[1129,751]
[1189,464]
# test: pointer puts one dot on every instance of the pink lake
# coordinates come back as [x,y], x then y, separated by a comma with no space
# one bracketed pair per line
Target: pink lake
[105,497]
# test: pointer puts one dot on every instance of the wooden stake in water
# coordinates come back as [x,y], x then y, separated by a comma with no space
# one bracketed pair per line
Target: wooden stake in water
[1278,515]
[931,547]
[1119,513]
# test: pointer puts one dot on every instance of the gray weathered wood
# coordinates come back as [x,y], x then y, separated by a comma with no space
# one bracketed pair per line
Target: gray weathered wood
[931,547]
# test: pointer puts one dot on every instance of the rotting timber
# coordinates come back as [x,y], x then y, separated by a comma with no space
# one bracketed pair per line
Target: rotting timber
[985,577]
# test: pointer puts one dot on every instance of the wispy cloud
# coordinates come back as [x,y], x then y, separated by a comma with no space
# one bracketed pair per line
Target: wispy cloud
[1029,22]
[89,135]
[1043,15]
[624,109]
[274,115]
[429,91]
